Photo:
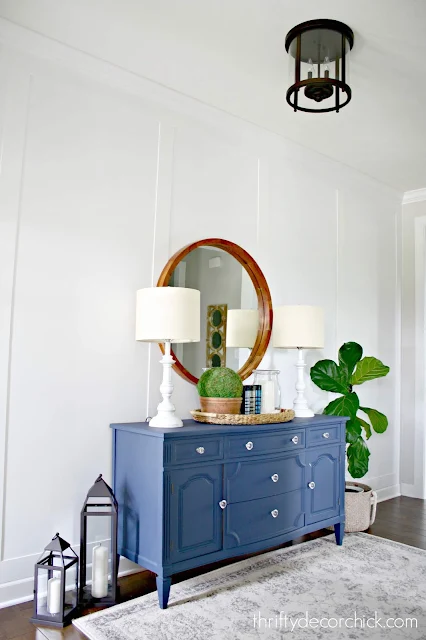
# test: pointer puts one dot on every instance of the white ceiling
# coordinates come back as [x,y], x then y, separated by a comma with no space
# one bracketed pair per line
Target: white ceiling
[230,53]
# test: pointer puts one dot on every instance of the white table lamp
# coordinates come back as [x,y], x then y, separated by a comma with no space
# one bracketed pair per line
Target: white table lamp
[299,327]
[167,314]
[241,327]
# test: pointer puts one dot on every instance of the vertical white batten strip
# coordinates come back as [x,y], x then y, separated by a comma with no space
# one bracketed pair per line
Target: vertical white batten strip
[258,206]
[419,357]
[12,310]
[398,340]
[148,386]
[336,336]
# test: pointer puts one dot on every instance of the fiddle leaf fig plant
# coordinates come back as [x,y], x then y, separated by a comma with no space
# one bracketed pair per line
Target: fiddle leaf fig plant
[352,370]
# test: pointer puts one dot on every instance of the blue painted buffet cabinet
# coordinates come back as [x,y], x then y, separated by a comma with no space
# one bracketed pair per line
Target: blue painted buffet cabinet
[195,495]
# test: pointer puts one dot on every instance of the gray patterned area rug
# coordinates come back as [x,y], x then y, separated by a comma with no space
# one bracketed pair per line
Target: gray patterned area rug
[368,588]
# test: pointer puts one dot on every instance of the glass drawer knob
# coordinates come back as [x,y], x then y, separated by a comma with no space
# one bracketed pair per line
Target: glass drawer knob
[222,504]
[311,485]
[295,439]
[275,477]
[199,449]
[249,446]
[274,513]
[326,435]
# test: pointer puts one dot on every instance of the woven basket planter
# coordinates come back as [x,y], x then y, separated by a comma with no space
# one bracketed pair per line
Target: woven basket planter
[221,405]
[360,508]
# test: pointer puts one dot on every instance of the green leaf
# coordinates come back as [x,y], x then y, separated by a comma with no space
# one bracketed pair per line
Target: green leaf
[366,426]
[329,377]
[378,420]
[353,430]
[358,455]
[347,405]
[369,369]
[349,354]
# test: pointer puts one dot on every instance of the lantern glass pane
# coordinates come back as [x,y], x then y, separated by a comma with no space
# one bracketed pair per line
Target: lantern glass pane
[71,589]
[316,44]
[49,592]
[99,553]
[347,64]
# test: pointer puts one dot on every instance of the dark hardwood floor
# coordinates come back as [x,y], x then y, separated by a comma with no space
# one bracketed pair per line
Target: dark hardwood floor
[401,519]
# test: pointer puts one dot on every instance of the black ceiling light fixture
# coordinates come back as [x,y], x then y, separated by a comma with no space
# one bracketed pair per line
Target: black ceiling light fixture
[320,50]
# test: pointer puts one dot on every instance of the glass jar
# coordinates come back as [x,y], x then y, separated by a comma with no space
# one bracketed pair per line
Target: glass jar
[271,392]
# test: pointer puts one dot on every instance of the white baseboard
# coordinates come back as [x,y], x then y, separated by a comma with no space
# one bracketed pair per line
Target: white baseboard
[411,491]
[19,591]
[16,592]
[387,493]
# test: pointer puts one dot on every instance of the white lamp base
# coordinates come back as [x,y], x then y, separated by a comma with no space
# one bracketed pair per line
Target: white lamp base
[166,417]
[300,405]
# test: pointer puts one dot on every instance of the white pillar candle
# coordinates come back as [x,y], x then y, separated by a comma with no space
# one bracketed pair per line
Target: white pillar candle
[54,595]
[100,572]
[268,396]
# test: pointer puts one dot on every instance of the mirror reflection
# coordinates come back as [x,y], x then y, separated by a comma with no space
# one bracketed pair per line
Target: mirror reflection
[229,316]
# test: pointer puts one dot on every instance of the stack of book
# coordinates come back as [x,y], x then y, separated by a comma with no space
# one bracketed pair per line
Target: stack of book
[252,399]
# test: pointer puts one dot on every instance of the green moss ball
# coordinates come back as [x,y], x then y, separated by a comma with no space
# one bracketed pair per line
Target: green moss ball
[220,382]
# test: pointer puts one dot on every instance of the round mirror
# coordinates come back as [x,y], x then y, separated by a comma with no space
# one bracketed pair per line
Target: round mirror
[236,308]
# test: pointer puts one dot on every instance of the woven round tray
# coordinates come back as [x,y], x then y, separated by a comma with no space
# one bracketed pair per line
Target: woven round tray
[285,415]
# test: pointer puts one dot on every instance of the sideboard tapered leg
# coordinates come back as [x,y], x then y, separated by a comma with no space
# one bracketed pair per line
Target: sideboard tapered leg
[163,589]
[339,532]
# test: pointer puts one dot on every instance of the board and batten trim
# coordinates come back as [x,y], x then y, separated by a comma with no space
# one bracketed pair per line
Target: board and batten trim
[170,108]
[161,236]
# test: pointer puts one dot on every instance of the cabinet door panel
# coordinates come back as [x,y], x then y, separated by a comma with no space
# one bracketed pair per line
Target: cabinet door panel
[195,522]
[323,469]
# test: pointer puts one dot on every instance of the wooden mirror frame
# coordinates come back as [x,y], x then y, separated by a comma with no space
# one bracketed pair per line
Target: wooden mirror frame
[263,298]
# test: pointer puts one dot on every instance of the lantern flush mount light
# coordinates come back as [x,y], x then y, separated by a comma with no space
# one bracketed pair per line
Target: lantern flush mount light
[320,50]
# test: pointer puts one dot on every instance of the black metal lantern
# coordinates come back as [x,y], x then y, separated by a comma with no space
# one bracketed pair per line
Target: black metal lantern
[320,50]
[56,584]
[98,546]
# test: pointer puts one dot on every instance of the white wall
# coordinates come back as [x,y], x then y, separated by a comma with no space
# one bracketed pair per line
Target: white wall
[104,176]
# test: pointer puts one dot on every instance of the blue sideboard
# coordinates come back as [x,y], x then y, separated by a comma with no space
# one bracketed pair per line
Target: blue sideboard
[195,495]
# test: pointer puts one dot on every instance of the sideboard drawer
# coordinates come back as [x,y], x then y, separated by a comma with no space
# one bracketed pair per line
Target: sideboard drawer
[194,450]
[327,434]
[247,522]
[253,444]
[262,478]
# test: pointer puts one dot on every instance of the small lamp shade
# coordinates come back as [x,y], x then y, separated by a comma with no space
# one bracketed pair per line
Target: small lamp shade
[241,327]
[298,326]
[168,314]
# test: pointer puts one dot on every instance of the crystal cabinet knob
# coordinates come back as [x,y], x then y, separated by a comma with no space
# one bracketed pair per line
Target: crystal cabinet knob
[222,504]
[275,477]
[274,513]
[326,435]
[311,485]
[200,450]
[295,439]
[249,446]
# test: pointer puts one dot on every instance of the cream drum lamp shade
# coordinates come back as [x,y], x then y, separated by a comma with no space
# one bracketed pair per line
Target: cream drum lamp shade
[241,327]
[298,326]
[168,314]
